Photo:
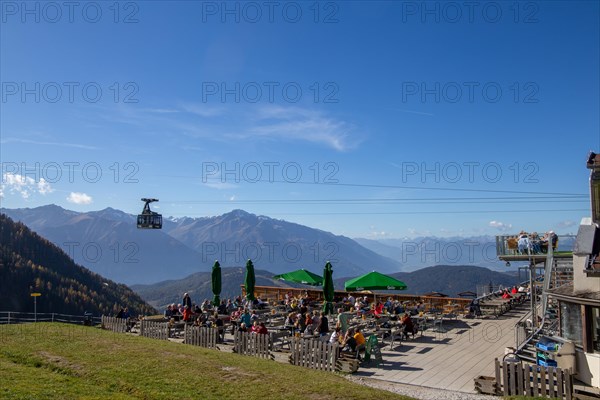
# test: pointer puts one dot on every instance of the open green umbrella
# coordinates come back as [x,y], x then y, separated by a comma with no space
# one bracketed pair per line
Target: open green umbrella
[250,280]
[328,289]
[301,276]
[216,283]
[374,281]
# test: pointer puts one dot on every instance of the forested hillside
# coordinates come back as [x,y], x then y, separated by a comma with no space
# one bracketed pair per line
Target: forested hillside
[30,263]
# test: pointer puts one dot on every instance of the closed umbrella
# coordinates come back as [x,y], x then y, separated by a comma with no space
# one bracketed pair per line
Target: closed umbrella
[301,276]
[250,280]
[328,289]
[216,283]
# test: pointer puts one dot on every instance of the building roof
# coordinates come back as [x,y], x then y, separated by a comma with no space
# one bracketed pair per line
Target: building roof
[566,292]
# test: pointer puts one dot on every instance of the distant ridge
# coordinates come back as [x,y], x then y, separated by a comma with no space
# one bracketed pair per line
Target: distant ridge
[448,279]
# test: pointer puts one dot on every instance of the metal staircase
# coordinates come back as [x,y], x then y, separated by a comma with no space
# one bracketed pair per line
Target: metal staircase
[557,272]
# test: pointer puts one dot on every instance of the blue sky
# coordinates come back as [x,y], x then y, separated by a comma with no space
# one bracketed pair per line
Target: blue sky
[368,119]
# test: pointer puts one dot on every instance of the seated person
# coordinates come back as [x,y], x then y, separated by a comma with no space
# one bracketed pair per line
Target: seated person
[378,311]
[536,243]
[300,324]
[260,304]
[474,308]
[349,343]
[175,313]
[245,318]
[407,326]
[360,340]
[335,336]
[222,309]
[243,327]
[262,329]
[365,302]
[398,308]
[389,305]
[255,327]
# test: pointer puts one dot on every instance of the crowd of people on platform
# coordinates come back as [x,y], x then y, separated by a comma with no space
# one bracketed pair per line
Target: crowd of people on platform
[532,243]
[304,316]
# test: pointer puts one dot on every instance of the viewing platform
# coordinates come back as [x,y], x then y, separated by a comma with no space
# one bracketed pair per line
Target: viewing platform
[507,249]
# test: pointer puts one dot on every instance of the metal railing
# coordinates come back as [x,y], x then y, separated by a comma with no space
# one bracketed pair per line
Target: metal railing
[16,317]
[507,245]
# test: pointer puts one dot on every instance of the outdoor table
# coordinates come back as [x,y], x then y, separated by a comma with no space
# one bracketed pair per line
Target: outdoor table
[381,333]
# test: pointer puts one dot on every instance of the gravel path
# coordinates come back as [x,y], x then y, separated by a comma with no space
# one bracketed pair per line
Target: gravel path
[418,392]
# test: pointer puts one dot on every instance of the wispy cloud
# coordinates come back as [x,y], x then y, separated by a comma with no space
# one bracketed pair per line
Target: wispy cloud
[220,185]
[245,122]
[416,112]
[40,143]
[23,186]
[501,226]
[203,110]
[294,123]
[566,224]
[79,198]
[161,110]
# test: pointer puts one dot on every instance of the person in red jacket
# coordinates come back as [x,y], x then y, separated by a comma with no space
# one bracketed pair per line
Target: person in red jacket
[187,314]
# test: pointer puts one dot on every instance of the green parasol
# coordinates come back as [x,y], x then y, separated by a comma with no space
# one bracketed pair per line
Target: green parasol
[250,280]
[301,276]
[374,281]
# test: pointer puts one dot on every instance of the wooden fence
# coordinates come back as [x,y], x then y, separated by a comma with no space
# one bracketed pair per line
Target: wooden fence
[518,379]
[154,330]
[252,344]
[277,294]
[201,336]
[114,324]
[314,354]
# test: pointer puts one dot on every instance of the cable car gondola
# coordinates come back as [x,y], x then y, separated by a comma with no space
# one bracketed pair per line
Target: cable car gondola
[149,219]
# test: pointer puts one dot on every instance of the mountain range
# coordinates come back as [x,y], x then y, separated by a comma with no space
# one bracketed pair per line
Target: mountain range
[416,253]
[109,243]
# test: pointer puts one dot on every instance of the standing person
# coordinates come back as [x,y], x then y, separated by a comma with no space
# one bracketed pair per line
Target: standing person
[187,314]
[342,321]
[187,301]
[323,327]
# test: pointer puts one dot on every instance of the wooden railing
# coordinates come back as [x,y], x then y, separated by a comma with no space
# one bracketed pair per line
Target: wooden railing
[17,317]
[277,294]
[516,379]
[201,336]
[314,354]
[252,344]
[114,324]
[154,330]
